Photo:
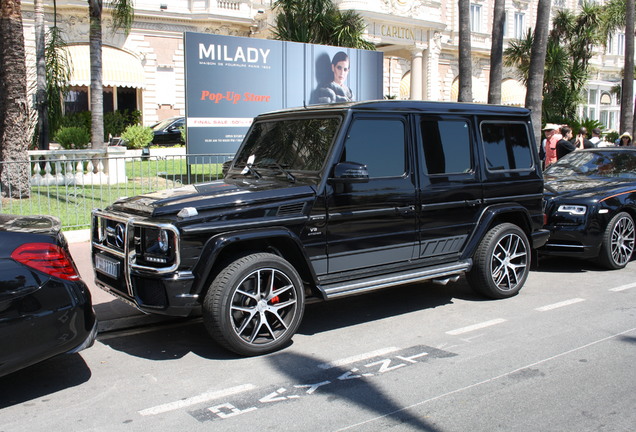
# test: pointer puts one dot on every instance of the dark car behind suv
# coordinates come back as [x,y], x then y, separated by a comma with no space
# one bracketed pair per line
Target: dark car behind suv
[330,201]
[168,132]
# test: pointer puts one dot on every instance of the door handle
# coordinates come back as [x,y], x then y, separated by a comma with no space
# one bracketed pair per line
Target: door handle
[405,210]
[473,203]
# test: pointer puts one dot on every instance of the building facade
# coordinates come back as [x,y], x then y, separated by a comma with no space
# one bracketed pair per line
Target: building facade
[419,39]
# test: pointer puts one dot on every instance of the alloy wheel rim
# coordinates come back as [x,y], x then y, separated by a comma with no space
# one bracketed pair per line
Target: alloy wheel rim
[622,241]
[509,262]
[263,306]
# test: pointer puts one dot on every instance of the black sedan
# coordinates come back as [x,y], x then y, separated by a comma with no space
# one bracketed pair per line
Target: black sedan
[168,132]
[45,308]
[591,205]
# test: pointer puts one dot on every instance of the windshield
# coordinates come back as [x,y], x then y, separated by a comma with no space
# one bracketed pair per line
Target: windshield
[293,145]
[162,124]
[595,164]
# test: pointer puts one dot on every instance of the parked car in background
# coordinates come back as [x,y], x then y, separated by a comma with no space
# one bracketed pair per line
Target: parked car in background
[45,308]
[329,201]
[591,205]
[168,132]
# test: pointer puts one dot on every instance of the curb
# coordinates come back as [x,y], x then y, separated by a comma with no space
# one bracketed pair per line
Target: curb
[77,236]
[127,323]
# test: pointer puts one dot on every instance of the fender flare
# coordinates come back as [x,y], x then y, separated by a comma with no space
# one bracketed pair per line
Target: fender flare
[218,243]
[486,219]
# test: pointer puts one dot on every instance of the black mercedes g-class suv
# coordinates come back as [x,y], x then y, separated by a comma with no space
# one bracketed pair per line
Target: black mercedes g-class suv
[329,201]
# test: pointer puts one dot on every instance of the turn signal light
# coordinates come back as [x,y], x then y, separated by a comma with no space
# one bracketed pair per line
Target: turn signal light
[47,258]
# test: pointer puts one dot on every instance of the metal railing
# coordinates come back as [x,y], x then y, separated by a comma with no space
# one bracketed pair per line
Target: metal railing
[70,183]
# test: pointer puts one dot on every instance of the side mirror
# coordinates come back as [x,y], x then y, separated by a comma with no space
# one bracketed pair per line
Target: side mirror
[350,172]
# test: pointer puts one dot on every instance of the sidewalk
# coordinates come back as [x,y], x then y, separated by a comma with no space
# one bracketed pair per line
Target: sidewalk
[112,313]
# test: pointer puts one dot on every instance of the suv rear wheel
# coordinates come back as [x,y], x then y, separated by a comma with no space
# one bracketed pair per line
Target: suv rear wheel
[255,304]
[501,262]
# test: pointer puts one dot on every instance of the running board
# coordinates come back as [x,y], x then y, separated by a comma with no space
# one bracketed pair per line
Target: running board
[359,286]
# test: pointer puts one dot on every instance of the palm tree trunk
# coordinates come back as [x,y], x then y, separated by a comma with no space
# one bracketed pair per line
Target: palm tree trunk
[496,53]
[40,94]
[14,119]
[627,93]
[465,62]
[536,71]
[97,88]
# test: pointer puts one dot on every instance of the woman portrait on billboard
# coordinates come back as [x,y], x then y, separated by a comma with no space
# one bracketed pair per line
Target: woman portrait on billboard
[336,90]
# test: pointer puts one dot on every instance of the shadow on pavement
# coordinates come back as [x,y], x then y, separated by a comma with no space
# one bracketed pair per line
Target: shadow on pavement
[360,392]
[43,379]
[390,302]
[559,264]
[179,337]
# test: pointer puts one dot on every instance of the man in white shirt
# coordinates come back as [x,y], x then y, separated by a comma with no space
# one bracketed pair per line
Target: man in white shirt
[596,136]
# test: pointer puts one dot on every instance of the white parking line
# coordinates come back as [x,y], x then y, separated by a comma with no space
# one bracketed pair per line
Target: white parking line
[475,327]
[356,358]
[559,304]
[203,397]
[623,287]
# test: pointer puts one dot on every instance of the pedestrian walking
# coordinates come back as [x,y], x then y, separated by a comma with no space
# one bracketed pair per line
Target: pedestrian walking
[596,137]
[580,141]
[564,145]
[625,140]
[553,136]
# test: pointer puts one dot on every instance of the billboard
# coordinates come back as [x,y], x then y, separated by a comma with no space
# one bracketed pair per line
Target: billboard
[230,80]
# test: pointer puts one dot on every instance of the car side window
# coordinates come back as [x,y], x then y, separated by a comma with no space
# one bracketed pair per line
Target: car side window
[507,146]
[447,146]
[380,144]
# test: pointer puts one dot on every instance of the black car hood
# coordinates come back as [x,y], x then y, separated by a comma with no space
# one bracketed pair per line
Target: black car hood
[40,224]
[213,195]
[584,187]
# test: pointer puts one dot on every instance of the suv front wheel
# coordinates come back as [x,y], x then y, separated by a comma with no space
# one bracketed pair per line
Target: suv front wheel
[501,262]
[255,304]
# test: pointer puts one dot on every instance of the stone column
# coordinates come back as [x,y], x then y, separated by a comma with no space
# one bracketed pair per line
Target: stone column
[416,73]
[432,65]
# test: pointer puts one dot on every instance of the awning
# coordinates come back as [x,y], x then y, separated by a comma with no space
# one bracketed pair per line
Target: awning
[119,68]
[479,90]
[513,93]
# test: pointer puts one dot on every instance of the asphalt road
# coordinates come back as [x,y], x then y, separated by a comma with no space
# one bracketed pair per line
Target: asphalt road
[558,357]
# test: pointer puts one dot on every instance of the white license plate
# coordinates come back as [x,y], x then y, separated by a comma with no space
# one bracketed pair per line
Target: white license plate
[106,265]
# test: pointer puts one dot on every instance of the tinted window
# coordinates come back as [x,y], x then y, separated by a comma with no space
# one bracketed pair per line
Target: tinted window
[446,146]
[379,144]
[595,164]
[507,146]
[300,145]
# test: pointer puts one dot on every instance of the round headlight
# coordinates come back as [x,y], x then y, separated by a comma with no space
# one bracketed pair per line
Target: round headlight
[163,241]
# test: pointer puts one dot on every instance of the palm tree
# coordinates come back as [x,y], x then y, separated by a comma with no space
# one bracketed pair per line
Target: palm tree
[14,119]
[123,14]
[40,61]
[567,61]
[627,95]
[496,52]
[58,74]
[536,68]
[619,14]
[319,22]
[465,62]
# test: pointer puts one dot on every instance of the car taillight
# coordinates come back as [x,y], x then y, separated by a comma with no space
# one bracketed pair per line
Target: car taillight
[47,258]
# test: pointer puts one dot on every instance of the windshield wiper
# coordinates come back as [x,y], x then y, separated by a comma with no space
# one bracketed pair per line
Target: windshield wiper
[249,169]
[289,175]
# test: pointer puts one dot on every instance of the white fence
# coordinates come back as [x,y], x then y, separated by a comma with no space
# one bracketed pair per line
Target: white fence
[70,183]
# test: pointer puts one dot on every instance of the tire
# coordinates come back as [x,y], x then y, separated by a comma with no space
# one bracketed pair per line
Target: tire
[501,262]
[255,304]
[618,242]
